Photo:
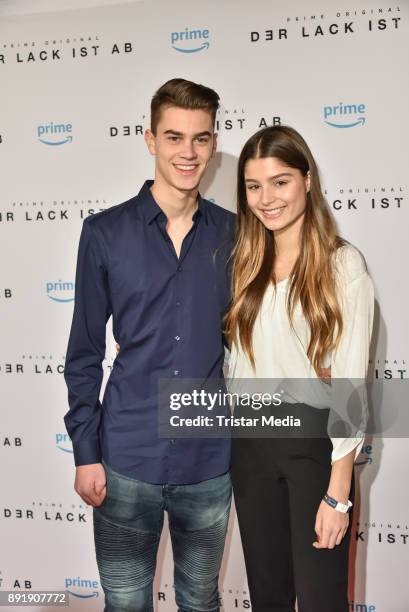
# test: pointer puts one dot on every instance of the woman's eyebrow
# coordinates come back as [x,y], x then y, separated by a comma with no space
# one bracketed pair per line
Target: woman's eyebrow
[271,178]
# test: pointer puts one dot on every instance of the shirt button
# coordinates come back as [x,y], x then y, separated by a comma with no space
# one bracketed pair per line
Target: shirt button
[179,268]
[177,338]
[176,372]
[172,441]
[177,303]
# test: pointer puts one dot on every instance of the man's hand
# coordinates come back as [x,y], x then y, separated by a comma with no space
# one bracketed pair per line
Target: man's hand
[325,375]
[90,483]
[330,526]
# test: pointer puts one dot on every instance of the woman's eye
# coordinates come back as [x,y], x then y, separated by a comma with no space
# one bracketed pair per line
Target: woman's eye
[252,187]
[281,183]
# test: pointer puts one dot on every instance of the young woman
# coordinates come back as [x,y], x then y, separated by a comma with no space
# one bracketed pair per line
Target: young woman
[302,308]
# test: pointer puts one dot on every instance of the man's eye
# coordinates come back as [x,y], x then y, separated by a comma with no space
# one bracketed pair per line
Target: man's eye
[174,138]
[202,140]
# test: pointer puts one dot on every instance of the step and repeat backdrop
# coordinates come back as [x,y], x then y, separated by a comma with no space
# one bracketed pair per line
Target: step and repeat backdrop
[75,86]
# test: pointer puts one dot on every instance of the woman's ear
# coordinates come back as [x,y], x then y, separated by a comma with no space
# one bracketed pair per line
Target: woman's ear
[308,181]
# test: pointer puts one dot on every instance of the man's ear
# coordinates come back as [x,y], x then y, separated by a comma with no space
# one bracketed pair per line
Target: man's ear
[150,141]
[214,144]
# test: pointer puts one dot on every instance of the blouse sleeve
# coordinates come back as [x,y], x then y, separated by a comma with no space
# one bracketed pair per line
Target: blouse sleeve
[350,360]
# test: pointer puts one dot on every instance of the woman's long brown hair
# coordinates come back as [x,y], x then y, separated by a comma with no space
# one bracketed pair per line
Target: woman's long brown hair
[312,281]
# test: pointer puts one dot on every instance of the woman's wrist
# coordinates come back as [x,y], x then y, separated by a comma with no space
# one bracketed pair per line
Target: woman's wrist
[340,486]
[341,494]
[341,476]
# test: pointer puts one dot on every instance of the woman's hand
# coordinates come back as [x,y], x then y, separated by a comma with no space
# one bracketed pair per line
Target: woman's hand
[118,348]
[330,526]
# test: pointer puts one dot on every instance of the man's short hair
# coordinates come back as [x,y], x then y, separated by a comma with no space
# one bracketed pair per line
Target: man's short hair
[183,94]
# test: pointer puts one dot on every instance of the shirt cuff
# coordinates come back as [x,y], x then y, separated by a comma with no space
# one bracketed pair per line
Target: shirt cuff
[87,451]
[343,446]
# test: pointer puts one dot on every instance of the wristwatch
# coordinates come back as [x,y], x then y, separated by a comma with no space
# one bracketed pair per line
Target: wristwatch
[336,504]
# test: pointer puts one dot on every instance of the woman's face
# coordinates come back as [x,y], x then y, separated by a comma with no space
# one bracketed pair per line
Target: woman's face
[276,193]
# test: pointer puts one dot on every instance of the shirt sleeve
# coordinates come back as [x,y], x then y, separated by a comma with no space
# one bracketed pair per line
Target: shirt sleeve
[86,349]
[350,360]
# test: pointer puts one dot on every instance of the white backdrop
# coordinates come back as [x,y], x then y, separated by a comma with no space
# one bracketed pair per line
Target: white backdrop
[75,92]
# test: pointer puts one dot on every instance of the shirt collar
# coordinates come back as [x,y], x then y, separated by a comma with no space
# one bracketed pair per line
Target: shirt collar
[150,209]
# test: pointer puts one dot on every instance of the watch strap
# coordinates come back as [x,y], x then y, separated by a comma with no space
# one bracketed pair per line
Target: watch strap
[336,504]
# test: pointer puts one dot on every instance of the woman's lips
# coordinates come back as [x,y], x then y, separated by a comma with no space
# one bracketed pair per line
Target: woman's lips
[274,213]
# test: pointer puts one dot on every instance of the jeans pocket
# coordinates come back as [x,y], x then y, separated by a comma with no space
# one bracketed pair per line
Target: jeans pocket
[131,503]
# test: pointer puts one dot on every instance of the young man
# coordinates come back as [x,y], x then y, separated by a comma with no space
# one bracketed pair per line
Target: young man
[158,265]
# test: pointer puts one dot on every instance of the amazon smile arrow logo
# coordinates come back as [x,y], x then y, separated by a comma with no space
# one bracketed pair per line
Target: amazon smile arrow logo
[360,121]
[205,45]
[59,142]
[55,299]
[94,594]
[364,462]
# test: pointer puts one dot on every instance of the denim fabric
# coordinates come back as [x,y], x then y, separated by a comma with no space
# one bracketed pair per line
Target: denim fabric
[127,529]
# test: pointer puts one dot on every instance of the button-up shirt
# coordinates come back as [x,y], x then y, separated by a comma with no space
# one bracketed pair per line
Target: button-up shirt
[167,316]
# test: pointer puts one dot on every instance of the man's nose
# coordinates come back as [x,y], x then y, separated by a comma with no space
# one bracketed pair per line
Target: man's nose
[188,150]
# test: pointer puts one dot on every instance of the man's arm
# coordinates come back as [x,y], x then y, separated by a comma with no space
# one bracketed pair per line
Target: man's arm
[83,366]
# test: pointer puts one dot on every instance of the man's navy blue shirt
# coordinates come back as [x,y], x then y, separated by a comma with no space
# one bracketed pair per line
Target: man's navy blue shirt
[168,319]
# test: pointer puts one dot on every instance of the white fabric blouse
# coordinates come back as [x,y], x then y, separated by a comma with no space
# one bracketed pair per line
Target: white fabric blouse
[281,352]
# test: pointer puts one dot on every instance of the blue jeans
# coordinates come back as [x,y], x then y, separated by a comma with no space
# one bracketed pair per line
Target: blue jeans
[127,530]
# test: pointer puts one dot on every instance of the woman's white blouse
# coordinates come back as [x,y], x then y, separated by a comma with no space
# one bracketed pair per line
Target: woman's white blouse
[281,352]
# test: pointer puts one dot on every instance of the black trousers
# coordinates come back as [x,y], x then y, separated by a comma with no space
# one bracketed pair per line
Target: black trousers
[278,485]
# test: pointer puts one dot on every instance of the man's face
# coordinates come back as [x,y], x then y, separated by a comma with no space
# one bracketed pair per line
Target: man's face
[183,146]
